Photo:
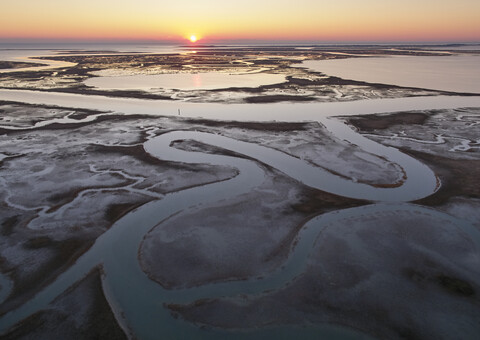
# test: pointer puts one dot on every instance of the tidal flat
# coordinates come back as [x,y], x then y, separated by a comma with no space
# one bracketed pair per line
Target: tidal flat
[147,212]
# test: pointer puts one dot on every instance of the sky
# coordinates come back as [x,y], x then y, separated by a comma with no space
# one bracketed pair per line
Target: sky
[226,20]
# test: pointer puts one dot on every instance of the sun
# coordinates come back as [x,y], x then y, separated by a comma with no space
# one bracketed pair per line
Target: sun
[193,38]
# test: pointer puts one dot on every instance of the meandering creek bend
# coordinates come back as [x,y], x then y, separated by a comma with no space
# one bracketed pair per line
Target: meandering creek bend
[132,294]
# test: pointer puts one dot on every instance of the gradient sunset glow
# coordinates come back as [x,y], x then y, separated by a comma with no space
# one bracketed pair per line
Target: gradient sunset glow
[216,20]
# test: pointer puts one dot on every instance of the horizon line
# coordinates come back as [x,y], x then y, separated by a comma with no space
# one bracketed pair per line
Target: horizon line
[201,42]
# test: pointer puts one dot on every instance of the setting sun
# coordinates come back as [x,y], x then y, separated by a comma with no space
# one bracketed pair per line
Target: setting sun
[193,38]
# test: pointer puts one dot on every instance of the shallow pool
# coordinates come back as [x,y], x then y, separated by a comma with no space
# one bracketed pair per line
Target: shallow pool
[447,73]
[184,81]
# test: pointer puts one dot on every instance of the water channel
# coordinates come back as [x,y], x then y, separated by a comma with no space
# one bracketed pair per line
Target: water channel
[137,301]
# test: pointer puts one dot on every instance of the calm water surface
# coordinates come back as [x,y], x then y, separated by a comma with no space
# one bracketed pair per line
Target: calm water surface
[447,73]
[184,81]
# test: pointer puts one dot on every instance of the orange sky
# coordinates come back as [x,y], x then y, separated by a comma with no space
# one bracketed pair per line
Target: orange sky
[211,20]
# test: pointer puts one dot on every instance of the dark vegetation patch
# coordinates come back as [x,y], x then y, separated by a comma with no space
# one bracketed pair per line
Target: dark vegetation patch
[369,123]
[115,211]
[38,242]
[458,177]
[136,151]
[451,284]
[259,126]
[9,224]
[278,98]
[316,201]
[456,286]
[82,89]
